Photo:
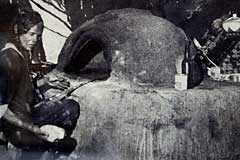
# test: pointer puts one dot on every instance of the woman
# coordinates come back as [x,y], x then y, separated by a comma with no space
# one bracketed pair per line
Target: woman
[22,122]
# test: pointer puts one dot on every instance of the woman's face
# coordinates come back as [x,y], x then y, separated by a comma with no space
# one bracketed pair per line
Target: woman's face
[29,40]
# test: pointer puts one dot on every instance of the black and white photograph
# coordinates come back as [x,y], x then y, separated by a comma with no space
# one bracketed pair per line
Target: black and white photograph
[119,80]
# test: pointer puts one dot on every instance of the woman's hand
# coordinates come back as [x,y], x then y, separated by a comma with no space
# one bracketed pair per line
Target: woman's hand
[40,133]
[54,132]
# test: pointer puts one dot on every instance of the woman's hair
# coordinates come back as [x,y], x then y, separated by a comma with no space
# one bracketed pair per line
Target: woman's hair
[25,20]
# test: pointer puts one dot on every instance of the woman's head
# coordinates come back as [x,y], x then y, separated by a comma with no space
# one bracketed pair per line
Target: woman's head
[28,27]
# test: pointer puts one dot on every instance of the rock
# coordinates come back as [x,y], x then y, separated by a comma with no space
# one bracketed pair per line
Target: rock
[137,46]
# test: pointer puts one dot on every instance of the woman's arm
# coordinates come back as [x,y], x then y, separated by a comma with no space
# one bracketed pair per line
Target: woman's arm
[10,117]
[6,68]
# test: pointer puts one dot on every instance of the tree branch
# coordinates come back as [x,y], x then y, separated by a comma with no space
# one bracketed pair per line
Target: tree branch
[60,3]
[54,6]
[55,32]
[52,14]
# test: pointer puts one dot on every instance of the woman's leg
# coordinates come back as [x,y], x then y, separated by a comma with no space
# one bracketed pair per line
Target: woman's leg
[63,114]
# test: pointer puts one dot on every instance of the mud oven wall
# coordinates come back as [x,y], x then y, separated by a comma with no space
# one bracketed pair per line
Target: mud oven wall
[125,118]
[158,124]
